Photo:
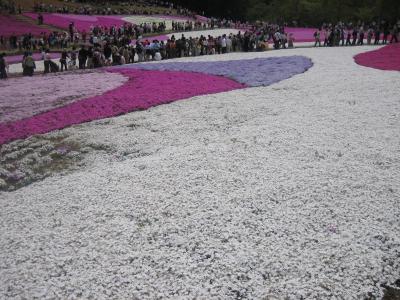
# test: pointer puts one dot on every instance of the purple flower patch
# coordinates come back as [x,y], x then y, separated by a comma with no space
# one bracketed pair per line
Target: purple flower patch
[62,150]
[252,72]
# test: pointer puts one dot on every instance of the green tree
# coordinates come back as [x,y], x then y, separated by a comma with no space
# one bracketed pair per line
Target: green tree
[304,12]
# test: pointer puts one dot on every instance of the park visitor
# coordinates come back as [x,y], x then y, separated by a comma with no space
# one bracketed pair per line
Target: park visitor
[3,66]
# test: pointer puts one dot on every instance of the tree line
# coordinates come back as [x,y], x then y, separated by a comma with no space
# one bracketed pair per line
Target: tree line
[300,12]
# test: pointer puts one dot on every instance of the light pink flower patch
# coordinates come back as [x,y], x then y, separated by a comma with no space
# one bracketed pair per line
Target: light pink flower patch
[25,97]
[144,89]
[386,58]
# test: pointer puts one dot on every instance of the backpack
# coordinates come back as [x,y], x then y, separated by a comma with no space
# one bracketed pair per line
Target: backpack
[29,62]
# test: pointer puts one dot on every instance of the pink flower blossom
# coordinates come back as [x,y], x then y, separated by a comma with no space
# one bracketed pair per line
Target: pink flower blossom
[81,22]
[386,58]
[301,34]
[10,26]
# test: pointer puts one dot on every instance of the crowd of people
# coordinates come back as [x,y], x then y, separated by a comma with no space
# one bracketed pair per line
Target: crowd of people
[120,34]
[63,39]
[351,35]
[146,7]
[113,46]
[10,7]
[188,25]
[108,52]
[142,7]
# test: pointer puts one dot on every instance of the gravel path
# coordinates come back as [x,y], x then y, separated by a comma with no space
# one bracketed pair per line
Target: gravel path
[290,190]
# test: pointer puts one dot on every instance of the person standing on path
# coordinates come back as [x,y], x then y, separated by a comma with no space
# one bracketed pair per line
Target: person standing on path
[63,60]
[82,57]
[223,44]
[71,29]
[361,36]
[377,34]
[291,41]
[355,34]
[342,34]
[317,37]
[73,56]
[385,33]
[47,59]
[348,38]
[28,65]
[395,33]
[40,19]
[3,66]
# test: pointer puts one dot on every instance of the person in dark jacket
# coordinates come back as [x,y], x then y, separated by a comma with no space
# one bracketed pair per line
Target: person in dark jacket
[385,32]
[107,51]
[395,33]
[82,57]
[377,35]
[355,34]
[63,60]
[28,64]
[3,66]
[46,62]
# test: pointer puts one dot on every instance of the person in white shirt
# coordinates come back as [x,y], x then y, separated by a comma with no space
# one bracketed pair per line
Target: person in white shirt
[228,44]
[223,44]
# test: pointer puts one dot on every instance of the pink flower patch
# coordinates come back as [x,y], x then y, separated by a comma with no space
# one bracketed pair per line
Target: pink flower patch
[302,34]
[386,58]
[81,22]
[144,89]
[9,25]
[25,97]
[16,59]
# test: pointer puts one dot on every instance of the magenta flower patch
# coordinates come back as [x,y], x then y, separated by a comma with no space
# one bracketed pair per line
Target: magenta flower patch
[252,72]
[9,25]
[81,22]
[386,58]
[302,34]
[85,22]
